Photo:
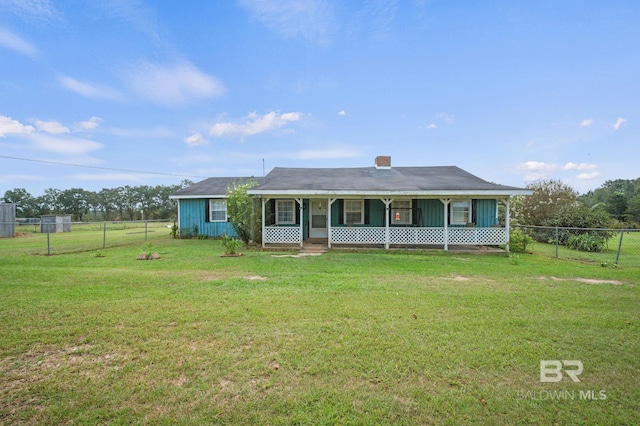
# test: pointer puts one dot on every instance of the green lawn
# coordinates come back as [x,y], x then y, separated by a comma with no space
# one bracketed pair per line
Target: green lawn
[629,255]
[344,338]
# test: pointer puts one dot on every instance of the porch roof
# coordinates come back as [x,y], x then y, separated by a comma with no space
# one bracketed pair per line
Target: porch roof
[434,181]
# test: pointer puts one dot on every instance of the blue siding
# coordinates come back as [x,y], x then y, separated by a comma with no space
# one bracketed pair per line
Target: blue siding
[376,213]
[485,213]
[194,212]
[432,213]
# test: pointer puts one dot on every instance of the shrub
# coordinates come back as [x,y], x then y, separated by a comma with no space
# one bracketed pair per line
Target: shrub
[231,246]
[587,242]
[519,240]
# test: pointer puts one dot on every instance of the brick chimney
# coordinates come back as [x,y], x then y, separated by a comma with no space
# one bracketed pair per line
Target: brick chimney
[383,162]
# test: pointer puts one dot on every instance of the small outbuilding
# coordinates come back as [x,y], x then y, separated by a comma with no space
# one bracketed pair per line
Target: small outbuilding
[55,223]
[7,220]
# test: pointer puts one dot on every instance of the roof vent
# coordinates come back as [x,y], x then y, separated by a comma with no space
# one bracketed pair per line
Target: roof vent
[383,162]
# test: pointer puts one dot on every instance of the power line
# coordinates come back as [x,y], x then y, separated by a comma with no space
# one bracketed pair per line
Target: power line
[100,168]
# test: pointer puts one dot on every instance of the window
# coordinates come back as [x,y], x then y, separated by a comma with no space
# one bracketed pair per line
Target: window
[218,210]
[353,211]
[401,212]
[285,212]
[459,212]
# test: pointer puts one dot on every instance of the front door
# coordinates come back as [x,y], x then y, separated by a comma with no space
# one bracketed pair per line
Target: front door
[318,228]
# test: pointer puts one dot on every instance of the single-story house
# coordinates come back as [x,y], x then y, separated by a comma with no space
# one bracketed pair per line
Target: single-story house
[374,206]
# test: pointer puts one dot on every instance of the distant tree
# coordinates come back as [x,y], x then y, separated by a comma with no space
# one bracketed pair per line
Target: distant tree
[51,201]
[617,205]
[633,209]
[74,202]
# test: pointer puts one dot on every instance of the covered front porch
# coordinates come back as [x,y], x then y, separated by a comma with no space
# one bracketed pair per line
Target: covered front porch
[385,223]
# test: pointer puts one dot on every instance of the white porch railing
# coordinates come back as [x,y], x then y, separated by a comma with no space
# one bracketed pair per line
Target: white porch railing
[416,236]
[282,234]
[478,236]
[358,235]
[397,235]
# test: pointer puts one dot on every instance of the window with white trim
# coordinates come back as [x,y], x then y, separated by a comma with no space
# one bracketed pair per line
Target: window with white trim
[354,211]
[285,212]
[460,211]
[401,212]
[218,210]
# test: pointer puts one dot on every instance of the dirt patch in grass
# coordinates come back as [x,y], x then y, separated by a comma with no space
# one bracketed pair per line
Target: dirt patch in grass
[255,278]
[585,280]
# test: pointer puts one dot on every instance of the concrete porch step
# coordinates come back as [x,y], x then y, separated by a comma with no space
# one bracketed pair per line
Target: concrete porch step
[313,248]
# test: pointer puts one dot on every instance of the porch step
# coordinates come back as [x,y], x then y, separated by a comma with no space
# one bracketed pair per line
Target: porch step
[313,248]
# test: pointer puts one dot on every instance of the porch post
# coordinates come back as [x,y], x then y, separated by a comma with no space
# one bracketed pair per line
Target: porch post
[329,203]
[507,220]
[387,203]
[262,199]
[445,202]
[301,207]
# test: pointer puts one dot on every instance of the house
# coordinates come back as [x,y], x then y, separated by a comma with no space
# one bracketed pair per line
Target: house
[381,206]
[202,207]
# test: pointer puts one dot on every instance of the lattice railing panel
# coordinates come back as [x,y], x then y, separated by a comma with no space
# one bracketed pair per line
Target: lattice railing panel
[357,235]
[477,236]
[418,236]
[281,234]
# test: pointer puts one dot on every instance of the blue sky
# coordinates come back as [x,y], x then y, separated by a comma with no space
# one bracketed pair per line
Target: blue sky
[511,91]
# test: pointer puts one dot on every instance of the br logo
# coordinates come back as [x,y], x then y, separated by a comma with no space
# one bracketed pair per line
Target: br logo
[551,370]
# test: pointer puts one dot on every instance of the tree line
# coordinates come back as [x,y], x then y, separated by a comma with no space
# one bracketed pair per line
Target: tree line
[121,203]
[616,204]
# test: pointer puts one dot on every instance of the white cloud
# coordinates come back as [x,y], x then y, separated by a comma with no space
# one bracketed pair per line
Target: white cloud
[589,176]
[254,124]
[89,124]
[619,122]
[581,166]
[88,90]
[432,126]
[342,113]
[531,143]
[10,126]
[32,9]
[52,127]
[16,43]
[64,145]
[447,118]
[175,85]
[586,122]
[311,20]
[536,170]
[196,140]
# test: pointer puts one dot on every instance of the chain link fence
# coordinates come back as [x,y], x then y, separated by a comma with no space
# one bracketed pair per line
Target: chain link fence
[39,238]
[607,247]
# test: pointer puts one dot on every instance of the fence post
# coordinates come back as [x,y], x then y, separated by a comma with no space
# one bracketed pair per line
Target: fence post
[145,229]
[556,242]
[48,242]
[619,247]
[104,234]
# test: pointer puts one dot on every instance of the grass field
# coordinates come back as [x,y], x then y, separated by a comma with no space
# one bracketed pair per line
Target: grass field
[627,256]
[344,338]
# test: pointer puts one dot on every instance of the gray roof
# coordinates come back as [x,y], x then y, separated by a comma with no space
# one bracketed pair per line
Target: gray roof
[209,188]
[365,180]
[436,180]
